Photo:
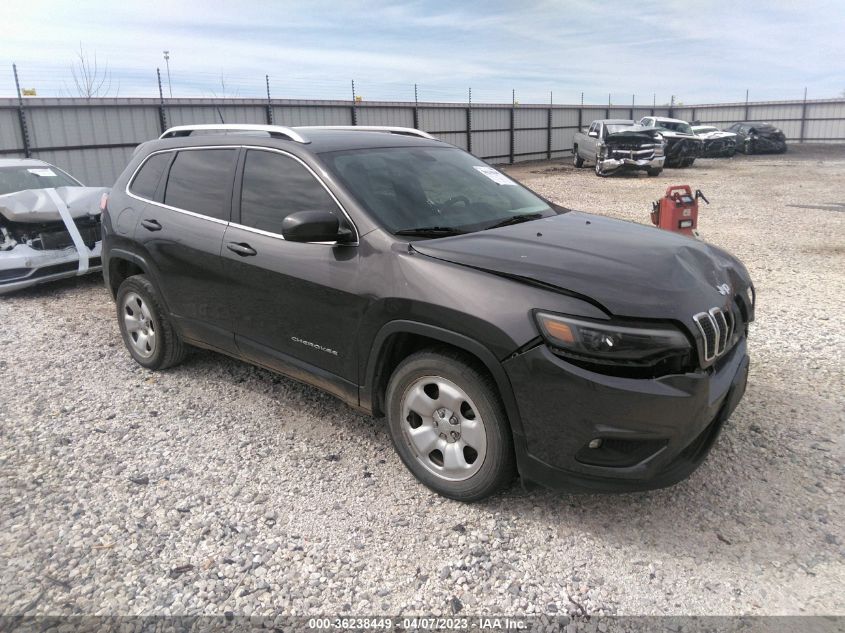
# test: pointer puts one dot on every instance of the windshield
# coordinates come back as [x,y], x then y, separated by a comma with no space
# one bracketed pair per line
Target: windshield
[675,126]
[408,188]
[620,127]
[38,177]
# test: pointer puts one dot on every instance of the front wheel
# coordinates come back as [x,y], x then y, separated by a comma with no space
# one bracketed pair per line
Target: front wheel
[653,172]
[449,427]
[599,171]
[145,326]
[578,161]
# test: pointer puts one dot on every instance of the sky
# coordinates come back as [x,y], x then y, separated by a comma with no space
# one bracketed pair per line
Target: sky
[701,51]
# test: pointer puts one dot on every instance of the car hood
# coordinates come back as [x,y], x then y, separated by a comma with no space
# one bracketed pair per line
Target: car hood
[628,269]
[36,205]
[632,136]
[715,135]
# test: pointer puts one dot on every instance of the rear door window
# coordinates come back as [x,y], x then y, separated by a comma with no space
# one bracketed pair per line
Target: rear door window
[274,186]
[145,183]
[201,181]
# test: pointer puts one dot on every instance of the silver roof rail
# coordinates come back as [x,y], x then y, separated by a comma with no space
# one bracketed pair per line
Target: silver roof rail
[272,130]
[390,129]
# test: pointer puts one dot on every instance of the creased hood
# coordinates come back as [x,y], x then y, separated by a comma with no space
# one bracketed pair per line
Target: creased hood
[630,269]
[36,205]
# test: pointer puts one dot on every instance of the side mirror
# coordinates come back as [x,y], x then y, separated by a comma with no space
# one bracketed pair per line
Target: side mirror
[593,134]
[313,226]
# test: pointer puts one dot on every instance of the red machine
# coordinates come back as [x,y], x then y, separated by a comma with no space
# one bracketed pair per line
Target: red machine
[678,210]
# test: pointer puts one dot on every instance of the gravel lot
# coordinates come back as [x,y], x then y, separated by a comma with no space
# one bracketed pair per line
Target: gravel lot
[218,487]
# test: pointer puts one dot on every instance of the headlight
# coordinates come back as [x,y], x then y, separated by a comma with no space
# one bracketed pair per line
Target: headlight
[749,292]
[611,343]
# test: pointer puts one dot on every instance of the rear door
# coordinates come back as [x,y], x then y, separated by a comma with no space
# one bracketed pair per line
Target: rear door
[297,308]
[182,230]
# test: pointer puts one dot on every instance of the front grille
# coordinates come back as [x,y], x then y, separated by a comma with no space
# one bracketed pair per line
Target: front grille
[716,327]
[632,151]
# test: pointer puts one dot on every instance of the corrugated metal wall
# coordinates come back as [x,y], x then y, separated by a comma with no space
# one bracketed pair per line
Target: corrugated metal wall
[94,139]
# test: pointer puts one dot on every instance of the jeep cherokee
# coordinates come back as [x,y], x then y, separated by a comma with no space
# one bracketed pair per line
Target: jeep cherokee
[496,331]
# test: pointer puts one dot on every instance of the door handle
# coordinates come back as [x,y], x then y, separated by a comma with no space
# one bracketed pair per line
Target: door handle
[151,225]
[242,249]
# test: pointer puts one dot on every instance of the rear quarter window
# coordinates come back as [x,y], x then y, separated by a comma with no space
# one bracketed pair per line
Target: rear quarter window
[201,181]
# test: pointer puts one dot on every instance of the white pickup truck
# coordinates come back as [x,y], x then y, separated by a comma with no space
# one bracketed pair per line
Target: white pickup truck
[614,145]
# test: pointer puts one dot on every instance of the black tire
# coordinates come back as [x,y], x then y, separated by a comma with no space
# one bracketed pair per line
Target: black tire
[578,161]
[687,162]
[748,148]
[168,349]
[654,172]
[481,398]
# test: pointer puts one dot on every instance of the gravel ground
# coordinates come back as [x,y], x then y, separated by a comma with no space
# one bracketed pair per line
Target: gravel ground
[219,487]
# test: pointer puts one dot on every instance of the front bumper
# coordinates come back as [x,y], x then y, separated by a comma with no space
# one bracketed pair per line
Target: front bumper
[654,432]
[609,165]
[23,266]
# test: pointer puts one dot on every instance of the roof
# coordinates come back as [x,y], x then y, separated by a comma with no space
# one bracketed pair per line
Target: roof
[23,162]
[616,121]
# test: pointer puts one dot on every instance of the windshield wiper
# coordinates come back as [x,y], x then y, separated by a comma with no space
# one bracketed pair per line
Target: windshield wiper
[430,231]
[515,219]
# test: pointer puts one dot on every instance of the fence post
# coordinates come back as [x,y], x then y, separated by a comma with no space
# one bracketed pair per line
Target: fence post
[469,121]
[633,102]
[746,104]
[269,104]
[607,109]
[22,116]
[580,117]
[416,109]
[354,109]
[803,116]
[549,126]
[513,124]
[162,115]
[672,107]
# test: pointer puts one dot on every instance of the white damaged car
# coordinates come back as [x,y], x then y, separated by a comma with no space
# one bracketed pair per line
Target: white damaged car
[49,224]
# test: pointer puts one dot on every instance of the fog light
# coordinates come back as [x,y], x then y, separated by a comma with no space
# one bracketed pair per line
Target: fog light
[596,443]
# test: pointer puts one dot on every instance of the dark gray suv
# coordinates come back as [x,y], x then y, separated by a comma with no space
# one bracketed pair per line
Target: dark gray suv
[496,331]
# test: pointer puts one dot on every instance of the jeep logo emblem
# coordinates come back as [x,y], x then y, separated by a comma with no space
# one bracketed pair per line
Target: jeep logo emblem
[724,289]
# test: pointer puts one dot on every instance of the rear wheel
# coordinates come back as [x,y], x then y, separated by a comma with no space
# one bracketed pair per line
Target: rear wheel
[577,160]
[145,326]
[687,162]
[449,427]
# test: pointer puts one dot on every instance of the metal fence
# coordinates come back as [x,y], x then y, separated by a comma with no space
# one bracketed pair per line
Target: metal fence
[93,139]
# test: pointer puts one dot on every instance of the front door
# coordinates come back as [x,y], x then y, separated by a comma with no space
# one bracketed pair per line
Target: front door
[297,308]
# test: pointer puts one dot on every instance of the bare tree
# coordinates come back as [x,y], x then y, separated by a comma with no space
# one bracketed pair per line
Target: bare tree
[225,92]
[89,78]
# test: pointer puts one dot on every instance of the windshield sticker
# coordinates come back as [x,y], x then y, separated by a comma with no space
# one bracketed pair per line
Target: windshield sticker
[495,176]
[43,171]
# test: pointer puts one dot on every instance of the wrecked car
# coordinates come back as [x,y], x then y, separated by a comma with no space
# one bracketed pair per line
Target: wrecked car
[716,143]
[496,331]
[49,224]
[757,137]
[614,145]
[682,145]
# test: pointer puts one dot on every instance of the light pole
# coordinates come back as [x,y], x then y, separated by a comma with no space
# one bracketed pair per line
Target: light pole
[167,62]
